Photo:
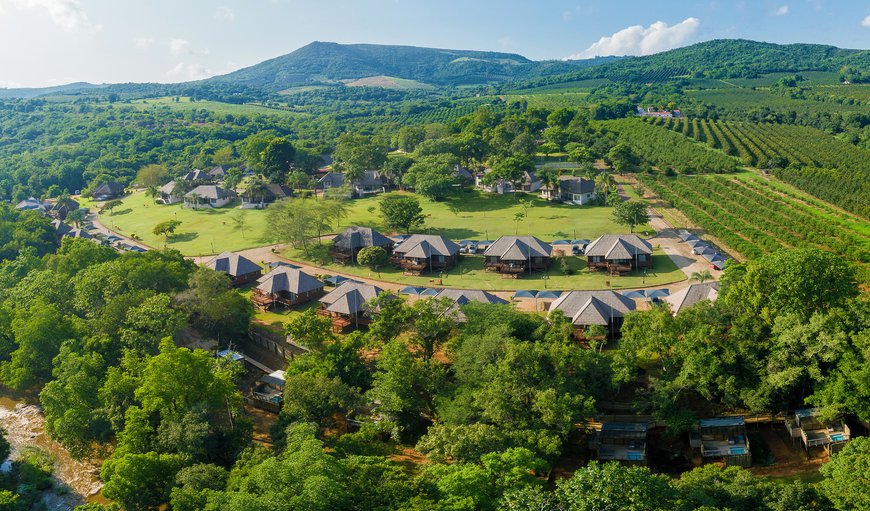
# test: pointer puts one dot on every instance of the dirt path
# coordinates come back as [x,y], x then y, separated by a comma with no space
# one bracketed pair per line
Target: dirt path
[680,253]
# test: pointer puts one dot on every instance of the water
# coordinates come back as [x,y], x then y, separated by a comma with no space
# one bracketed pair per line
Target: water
[77,481]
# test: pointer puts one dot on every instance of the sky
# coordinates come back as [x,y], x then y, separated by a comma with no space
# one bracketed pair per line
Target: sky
[52,42]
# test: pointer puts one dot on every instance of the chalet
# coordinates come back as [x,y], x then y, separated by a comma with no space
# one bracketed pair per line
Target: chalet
[108,191]
[570,189]
[32,204]
[267,195]
[530,183]
[722,438]
[425,252]
[167,194]
[369,183]
[286,286]
[514,255]
[218,173]
[348,305]
[587,308]
[814,432]
[208,196]
[241,270]
[621,441]
[461,297]
[618,253]
[691,295]
[347,245]
[197,176]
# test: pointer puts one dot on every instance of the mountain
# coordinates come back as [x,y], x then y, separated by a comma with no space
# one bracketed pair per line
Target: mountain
[28,93]
[322,62]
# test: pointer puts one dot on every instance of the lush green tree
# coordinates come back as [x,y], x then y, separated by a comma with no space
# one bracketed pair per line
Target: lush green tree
[192,485]
[276,159]
[38,333]
[631,213]
[214,307]
[166,228]
[355,154]
[396,166]
[612,487]
[140,481]
[314,396]
[310,330]
[845,481]
[151,175]
[401,212]
[373,257]
[511,169]
[432,176]
[409,137]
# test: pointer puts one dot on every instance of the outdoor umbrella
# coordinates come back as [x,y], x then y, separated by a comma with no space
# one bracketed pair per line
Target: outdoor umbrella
[637,293]
[411,290]
[428,292]
[657,293]
[549,294]
[526,294]
[561,242]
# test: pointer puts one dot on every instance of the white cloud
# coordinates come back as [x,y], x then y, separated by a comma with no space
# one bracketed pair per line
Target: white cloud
[225,13]
[189,71]
[782,10]
[143,43]
[866,22]
[179,46]
[67,14]
[640,40]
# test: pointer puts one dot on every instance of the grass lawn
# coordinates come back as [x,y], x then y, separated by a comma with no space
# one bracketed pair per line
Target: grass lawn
[280,315]
[469,215]
[470,274]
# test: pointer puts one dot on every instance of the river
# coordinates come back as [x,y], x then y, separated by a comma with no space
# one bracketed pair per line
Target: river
[76,481]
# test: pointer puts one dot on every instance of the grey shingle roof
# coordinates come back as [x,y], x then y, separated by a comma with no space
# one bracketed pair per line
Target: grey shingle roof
[209,192]
[350,297]
[619,244]
[517,248]
[464,296]
[233,265]
[593,307]
[691,295]
[357,237]
[109,188]
[576,185]
[284,278]
[424,245]
[197,175]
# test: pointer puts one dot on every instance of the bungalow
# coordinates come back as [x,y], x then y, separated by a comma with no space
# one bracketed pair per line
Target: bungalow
[166,194]
[425,252]
[208,196]
[618,253]
[814,432]
[369,183]
[724,438]
[61,208]
[348,305]
[587,308]
[461,297]
[218,173]
[32,204]
[266,195]
[108,191]
[287,286]
[621,441]
[691,295]
[530,183]
[197,176]
[574,190]
[241,270]
[347,245]
[513,255]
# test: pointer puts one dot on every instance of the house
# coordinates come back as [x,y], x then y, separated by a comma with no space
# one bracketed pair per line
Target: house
[588,308]
[197,176]
[463,175]
[286,286]
[574,190]
[108,191]
[514,255]
[621,441]
[208,196]
[32,204]
[425,252]
[813,432]
[267,195]
[61,208]
[618,253]
[166,194]
[347,306]
[218,173]
[241,270]
[653,112]
[461,297]
[530,183]
[723,438]
[369,183]
[691,295]
[347,245]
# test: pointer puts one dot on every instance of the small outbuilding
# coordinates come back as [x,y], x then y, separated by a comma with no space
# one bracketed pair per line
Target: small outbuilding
[691,295]
[621,441]
[208,196]
[109,190]
[346,246]
[240,269]
[723,438]
[829,435]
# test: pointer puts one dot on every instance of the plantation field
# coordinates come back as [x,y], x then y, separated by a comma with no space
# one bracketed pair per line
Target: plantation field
[749,100]
[471,215]
[754,218]
[550,100]
[184,104]
[469,274]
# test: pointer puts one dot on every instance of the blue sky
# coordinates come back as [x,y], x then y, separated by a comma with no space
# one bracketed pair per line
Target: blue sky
[48,42]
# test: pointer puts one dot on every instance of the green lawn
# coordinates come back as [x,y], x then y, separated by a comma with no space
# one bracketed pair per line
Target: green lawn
[470,274]
[470,215]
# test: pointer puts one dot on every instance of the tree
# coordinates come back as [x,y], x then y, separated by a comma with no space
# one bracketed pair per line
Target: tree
[140,481]
[409,137]
[549,148]
[401,212]
[432,176]
[166,228]
[150,175]
[354,154]
[845,481]
[314,396]
[612,487]
[111,205]
[511,169]
[214,307]
[631,213]
[276,159]
[310,330]
[701,276]
[373,257]
[38,332]
[605,182]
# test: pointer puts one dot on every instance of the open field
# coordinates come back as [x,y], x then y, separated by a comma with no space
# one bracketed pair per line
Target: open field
[470,215]
[470,274]
[184,104]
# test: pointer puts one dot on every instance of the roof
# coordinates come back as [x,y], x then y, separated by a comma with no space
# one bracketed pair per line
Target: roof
[576,185]
[618,246]
[78,233]
[518,248]
[30,203]
[285,278]
[209,192]
[233,265]
[463,172]
[350,297]
[109,188]
[275,378]
[279,191]
[721,422]
[333,179]
[464,296]
[168,188]
[218,171]
[61,228]
[197,175]
[593,307]
[423,246]
[357,237]
[624,426]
